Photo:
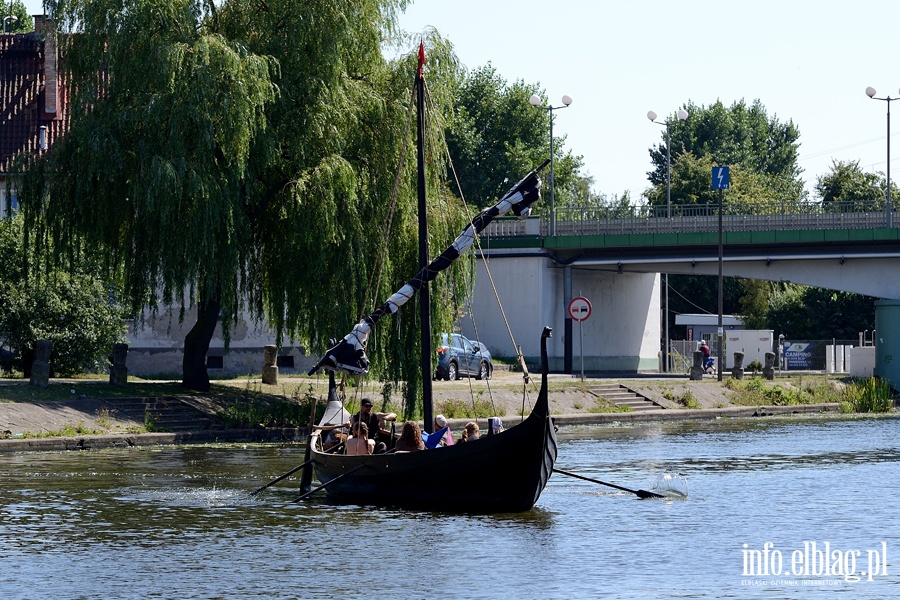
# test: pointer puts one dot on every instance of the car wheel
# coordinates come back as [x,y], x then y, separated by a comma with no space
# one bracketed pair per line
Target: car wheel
[483,372]
[452,372]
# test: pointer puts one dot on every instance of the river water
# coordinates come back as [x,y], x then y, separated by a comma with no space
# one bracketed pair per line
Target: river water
[770,502]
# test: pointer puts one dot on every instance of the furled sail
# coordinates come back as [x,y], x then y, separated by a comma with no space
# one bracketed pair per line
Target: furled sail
[349,355]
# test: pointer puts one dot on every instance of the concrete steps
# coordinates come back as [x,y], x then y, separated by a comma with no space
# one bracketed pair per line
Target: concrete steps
[622,396]
[171,414]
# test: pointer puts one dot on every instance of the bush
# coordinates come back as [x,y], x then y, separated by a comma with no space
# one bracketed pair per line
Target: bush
[75,311]
[871,395]
[460,409]
[72,311]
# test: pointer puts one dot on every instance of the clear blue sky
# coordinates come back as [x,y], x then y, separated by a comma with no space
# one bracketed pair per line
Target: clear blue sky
[808,62]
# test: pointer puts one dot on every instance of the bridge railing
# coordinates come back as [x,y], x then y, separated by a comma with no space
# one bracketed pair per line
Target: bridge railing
[690,218]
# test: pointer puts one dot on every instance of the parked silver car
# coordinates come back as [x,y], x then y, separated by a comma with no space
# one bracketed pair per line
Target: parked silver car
[459,356]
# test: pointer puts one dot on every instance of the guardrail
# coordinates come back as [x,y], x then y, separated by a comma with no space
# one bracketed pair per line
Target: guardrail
[691,218]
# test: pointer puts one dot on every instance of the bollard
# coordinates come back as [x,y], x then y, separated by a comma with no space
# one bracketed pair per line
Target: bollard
[737,372]
[769,369]
[118,371]
[270,369]
[697,368]
[40,369]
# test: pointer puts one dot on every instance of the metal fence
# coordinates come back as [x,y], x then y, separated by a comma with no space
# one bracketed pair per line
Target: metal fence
[796,355]
[691,218]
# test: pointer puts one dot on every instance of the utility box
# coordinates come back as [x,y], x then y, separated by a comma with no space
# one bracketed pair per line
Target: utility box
[754,343]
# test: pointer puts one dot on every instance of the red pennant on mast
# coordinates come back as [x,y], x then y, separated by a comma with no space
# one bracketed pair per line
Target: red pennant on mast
[421,59]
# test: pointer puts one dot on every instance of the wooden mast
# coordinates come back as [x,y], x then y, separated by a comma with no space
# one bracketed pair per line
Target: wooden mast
[424,294]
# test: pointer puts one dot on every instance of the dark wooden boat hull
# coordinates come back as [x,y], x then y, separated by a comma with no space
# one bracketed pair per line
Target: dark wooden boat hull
[505,472]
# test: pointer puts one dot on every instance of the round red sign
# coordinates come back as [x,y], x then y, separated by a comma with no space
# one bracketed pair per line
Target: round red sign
[580,308]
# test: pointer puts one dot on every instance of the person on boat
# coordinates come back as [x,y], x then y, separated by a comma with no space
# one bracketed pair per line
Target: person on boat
[440,422]
[375,421]
[470,433]
[359,442]
[333,438]
[410,439]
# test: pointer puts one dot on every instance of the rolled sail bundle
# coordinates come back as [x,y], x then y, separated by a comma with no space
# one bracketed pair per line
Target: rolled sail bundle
[349,355]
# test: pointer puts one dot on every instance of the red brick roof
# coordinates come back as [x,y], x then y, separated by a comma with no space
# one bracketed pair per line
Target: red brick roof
[24,69]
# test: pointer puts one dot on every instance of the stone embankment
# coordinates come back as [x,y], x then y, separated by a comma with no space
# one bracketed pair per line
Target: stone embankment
[176,420]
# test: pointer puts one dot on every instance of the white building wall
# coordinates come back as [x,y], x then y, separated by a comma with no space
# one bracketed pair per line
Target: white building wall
[156,347]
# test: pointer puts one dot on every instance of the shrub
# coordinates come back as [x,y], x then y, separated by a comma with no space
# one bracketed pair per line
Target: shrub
[460,409]
[871,395]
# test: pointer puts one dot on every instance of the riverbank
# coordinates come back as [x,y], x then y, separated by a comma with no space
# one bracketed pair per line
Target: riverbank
[67,418]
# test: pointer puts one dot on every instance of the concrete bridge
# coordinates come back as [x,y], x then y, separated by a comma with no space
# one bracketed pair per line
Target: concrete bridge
[614,258]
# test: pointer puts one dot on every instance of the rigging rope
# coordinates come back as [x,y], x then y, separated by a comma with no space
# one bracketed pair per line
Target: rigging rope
[517,348]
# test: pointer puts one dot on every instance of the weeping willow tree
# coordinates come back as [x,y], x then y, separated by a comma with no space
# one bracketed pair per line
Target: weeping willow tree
[241,156]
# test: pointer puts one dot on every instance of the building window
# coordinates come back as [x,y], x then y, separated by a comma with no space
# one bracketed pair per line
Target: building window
[214,362]
[285,362]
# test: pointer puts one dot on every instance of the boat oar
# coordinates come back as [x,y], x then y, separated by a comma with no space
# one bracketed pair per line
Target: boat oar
[277,479]
[640,493]
[294,470]
[325,485]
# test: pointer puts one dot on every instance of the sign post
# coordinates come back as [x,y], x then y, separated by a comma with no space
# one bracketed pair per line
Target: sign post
[580,309]
[720,181]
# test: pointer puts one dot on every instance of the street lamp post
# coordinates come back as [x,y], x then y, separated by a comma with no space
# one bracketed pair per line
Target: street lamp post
[681,115]
[9,19]
[538,103]
[889,209]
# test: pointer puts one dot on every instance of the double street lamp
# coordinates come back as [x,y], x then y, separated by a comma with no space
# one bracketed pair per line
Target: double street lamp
[889,210]
[681,115]
[538,103]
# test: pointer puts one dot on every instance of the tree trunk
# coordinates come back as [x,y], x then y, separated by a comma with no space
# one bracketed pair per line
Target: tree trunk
[196,343]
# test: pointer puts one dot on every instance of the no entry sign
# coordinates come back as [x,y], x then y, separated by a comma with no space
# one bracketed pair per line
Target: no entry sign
[580,308]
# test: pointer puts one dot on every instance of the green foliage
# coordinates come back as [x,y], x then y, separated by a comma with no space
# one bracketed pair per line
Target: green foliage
[847,182]
[870,395]
[475,409]
[756,392]
[761,151]
[249,160]
[798,311]
[755,367]
[76,311]
[691,184]
[756,300]
[686,399]
[740,135]
[67,431]
[700,294]
[150,421]
[803,312]
[161,190]
[496,136]
[258,410]
[21,21]
[604,406]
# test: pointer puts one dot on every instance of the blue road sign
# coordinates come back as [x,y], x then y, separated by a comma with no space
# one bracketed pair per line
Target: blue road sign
[720,179]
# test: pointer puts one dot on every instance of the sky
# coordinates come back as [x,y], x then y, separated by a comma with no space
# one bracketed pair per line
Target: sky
[807,62]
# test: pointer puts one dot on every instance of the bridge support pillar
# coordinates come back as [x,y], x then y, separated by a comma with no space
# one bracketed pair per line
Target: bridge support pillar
[567,297]
[887,341]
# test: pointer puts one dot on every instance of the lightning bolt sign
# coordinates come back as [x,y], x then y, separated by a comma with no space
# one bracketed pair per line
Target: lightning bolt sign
[720,178]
